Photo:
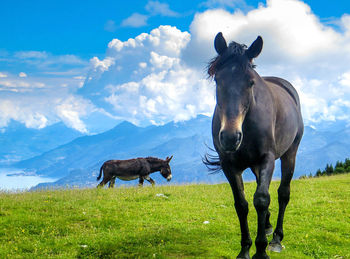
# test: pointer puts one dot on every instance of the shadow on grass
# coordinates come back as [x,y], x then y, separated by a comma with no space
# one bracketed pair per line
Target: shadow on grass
[165,244]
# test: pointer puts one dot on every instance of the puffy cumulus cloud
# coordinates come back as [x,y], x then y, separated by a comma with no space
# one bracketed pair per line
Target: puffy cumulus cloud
[144,80]
[38,102]
[177,94]
[45,93]
[40,110]
[71,109]
[297,46]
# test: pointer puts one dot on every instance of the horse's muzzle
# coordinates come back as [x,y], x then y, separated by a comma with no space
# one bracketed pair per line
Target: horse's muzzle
[230,141]
[169,178]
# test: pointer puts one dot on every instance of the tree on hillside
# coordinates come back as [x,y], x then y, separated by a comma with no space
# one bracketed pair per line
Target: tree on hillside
[329,169]
[318,173]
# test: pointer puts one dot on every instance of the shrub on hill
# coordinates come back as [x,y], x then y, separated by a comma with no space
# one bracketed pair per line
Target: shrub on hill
[340,168]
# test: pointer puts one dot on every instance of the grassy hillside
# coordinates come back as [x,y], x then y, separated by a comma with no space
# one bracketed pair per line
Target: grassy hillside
[135,222]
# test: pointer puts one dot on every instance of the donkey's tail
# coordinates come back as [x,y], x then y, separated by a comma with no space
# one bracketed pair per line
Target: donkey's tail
[101,169]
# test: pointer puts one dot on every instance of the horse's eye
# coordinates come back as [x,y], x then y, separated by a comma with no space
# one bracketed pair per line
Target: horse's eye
[251,83]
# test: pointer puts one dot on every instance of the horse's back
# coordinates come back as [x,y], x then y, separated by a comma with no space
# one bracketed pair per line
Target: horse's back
[289,126]
[284,84]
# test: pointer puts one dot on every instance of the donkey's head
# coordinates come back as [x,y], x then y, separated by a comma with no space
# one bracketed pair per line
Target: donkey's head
[235,77]
[165,171]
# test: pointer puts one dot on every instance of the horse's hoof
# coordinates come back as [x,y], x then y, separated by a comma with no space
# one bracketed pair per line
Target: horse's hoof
[269,231]
[275,247]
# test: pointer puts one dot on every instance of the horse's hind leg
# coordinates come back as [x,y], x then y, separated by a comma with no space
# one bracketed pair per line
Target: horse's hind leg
[287,168]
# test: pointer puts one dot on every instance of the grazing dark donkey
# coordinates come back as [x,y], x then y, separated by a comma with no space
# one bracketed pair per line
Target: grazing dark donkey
[132,169]
[256,121]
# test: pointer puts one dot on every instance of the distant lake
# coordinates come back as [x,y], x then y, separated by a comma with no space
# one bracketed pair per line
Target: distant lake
[17,180]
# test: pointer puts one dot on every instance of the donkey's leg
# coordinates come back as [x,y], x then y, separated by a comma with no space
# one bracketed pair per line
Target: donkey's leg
[112,182]
[241,205]
[141,180]
[287,166]
[262,202]
[150,180]
[104,181]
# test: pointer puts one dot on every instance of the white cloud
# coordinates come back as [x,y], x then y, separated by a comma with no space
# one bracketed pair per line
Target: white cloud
[297,47]
[159,76]
[71,109]
[144,80]
[39,109]
[31,55]
[22,74]
[135,20]
[158,8]
[41,101]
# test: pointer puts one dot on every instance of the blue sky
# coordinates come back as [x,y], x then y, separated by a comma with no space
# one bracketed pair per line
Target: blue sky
[58,60]
[81,27]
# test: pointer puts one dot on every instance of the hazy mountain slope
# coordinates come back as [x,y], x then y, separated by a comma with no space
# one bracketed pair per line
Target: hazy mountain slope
[17,142]
[78,162]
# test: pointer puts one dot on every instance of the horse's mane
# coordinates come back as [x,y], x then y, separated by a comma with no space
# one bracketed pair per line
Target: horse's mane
[233,53]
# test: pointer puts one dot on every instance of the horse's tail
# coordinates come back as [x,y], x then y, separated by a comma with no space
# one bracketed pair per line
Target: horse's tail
[99,176]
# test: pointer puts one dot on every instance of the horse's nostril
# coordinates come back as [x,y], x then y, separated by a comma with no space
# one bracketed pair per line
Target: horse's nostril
[230,140]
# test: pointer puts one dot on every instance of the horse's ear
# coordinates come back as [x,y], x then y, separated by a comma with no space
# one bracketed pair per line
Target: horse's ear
[168,159]
[254,50]
[220,43]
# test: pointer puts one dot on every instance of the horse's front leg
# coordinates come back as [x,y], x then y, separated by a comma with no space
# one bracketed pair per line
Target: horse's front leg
[235,179]
[262,202]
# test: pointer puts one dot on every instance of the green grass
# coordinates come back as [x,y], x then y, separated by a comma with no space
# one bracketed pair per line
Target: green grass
[135,223]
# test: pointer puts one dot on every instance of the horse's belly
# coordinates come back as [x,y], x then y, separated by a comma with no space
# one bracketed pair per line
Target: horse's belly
[128,178]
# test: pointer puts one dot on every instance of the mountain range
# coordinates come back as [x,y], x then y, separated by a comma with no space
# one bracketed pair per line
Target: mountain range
[18,142]
[76,162]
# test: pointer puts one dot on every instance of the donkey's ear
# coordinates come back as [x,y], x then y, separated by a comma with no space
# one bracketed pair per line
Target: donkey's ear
[254,50]
[168,159]
[220,43]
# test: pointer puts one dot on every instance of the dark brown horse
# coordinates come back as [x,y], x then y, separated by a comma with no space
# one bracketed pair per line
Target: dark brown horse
[132,169]
[256,121]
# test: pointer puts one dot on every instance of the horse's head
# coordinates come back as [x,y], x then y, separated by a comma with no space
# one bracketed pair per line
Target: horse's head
[234,74]
[165,171]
